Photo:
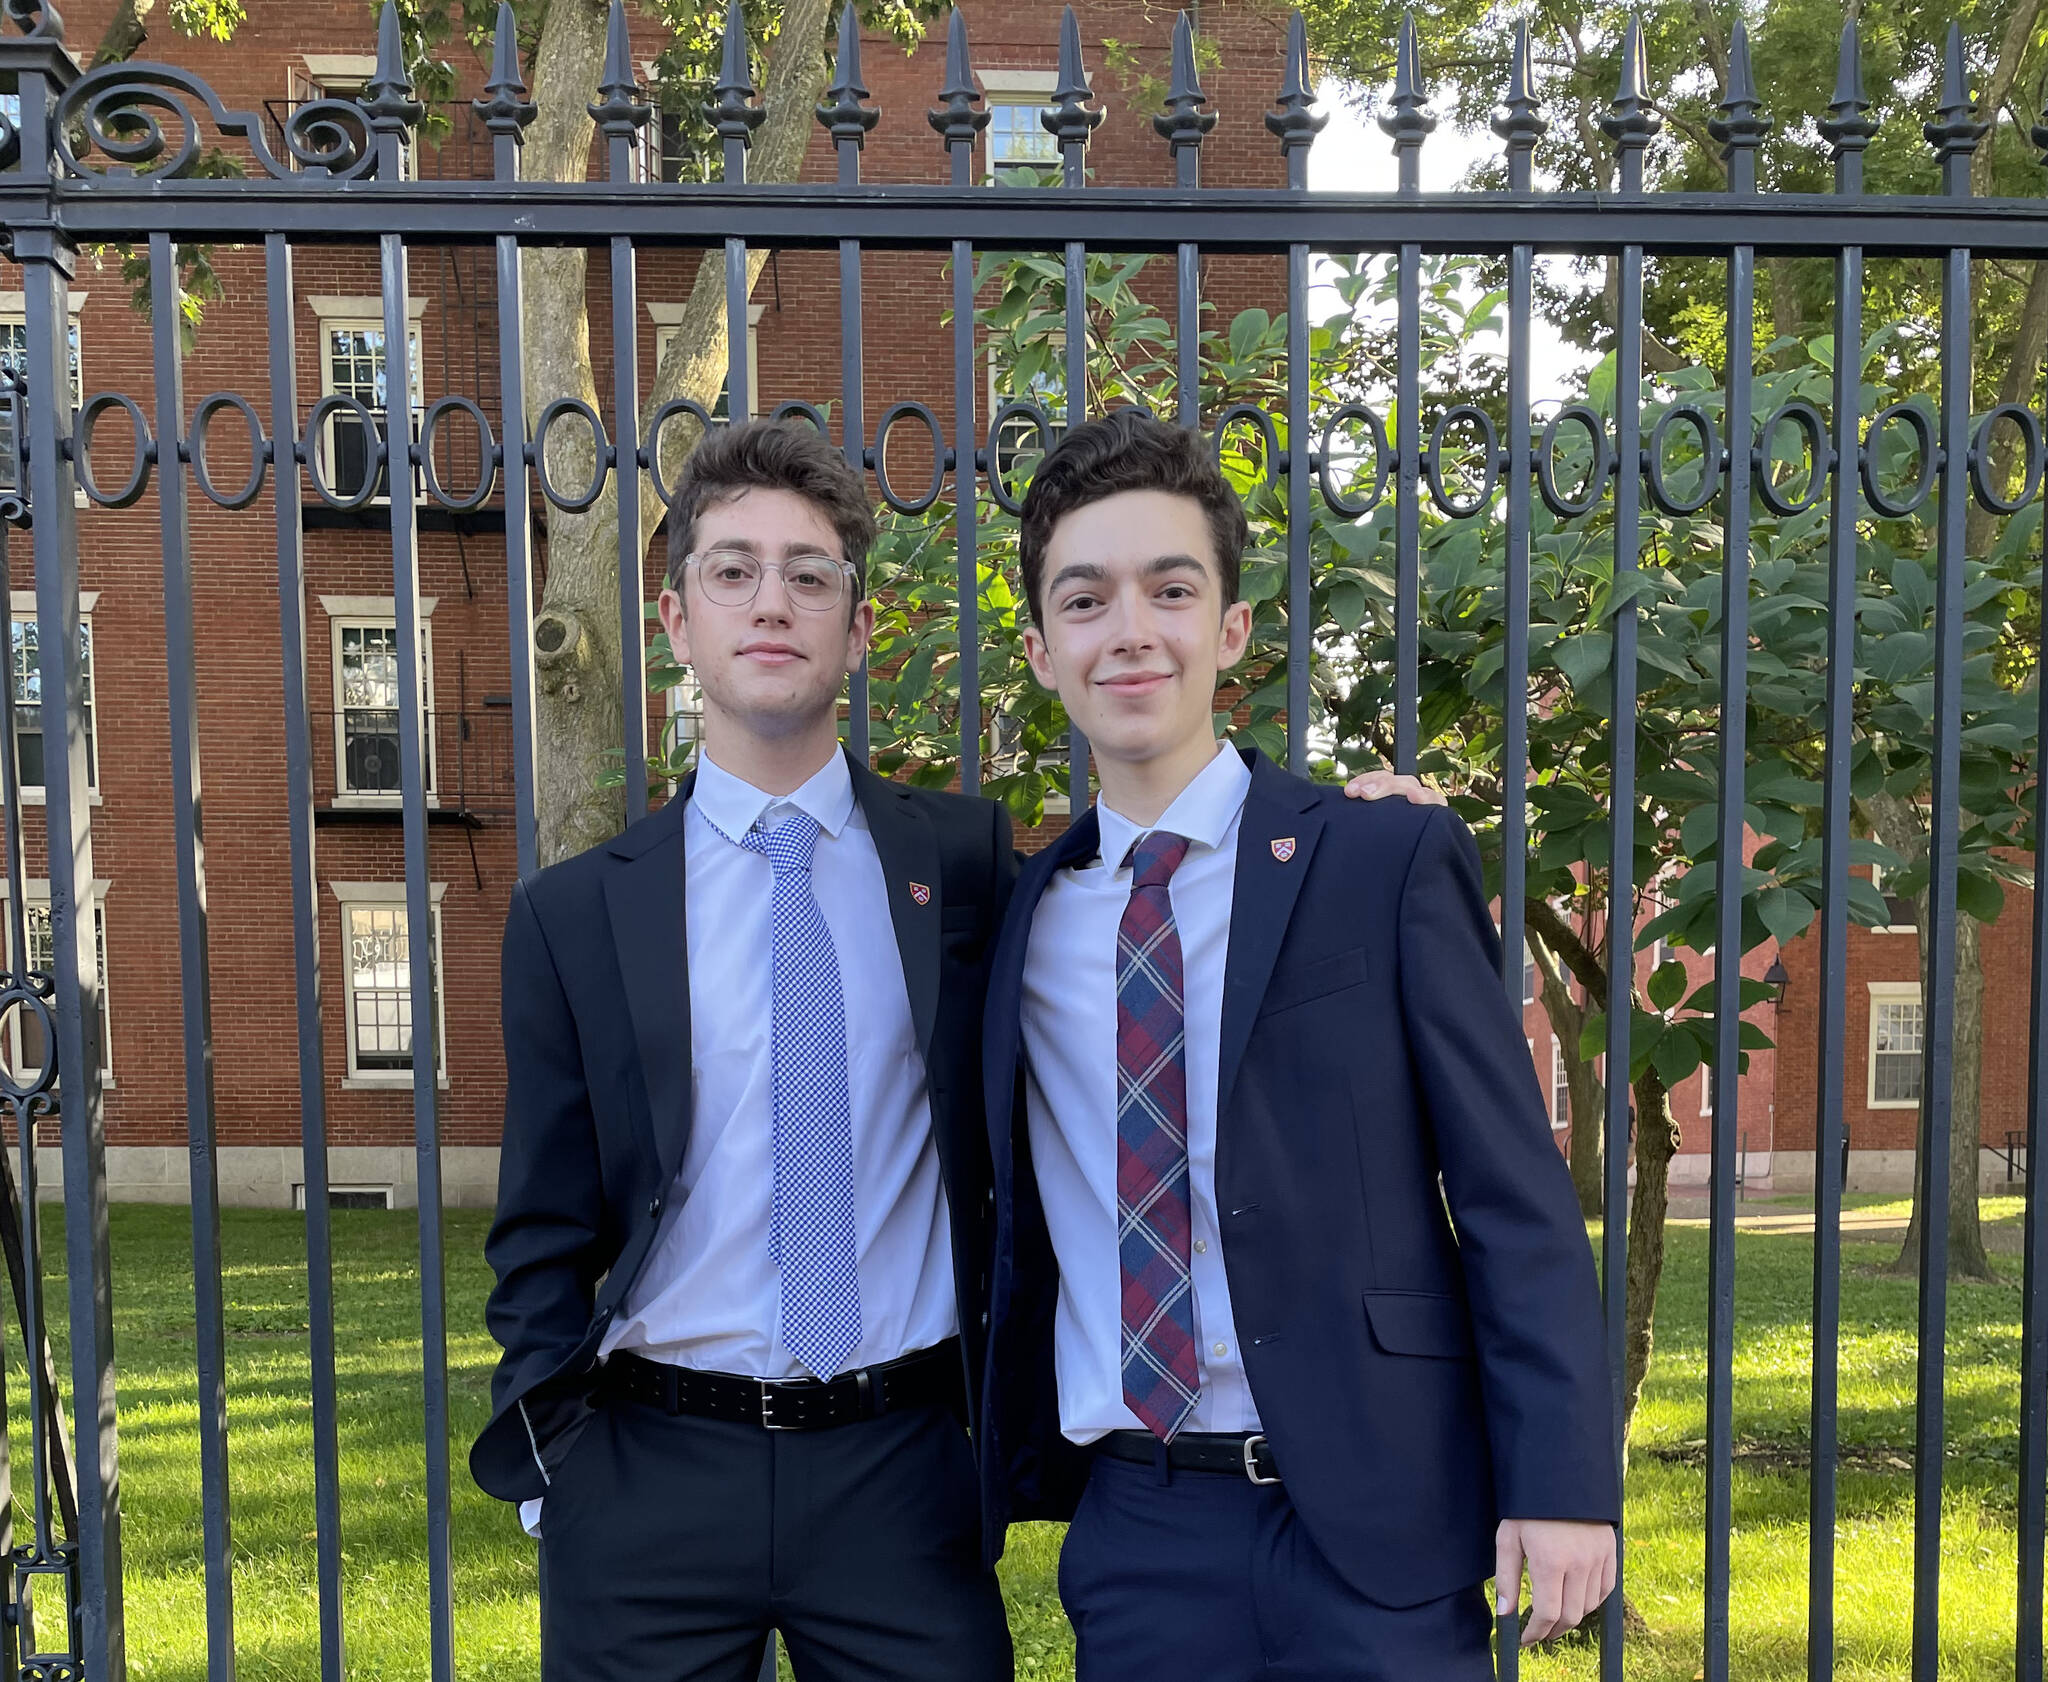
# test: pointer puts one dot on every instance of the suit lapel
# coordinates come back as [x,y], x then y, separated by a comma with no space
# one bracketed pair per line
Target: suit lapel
[645,901]
[1005,1021]
[909,851]
[1276,839]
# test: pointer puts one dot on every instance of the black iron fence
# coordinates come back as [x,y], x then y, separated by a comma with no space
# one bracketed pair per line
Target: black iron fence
[108,156]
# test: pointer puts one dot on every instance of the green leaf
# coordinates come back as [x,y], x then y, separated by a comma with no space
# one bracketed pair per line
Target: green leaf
[1584,658]
[1785,913]
[1667,984]
[1981,896]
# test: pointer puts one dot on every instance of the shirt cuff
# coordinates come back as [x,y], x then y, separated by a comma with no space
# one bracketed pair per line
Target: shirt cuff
[529,1515]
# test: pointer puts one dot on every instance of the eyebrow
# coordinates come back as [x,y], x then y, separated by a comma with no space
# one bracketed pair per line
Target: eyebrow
[792,550]
[1093,572]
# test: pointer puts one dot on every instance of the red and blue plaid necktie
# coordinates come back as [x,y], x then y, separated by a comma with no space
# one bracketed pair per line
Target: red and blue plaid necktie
[1161,1382]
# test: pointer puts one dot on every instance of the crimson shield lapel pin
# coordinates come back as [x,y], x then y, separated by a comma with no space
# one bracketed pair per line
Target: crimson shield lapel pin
[1283,849]
[920,893]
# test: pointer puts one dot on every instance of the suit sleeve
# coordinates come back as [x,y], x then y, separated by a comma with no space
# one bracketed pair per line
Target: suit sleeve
[544,1244]
[1528,1268]
[1004,869]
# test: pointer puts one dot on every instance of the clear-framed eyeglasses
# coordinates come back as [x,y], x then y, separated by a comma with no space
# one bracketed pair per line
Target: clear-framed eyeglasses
[732,578]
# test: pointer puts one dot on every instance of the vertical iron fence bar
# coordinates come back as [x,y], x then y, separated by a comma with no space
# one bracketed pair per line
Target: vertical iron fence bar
[1297,126]
[1521,127]
[47,258]
[1182,126]
[285,449]
[621,116]
[1407,122]
[1741,128]
[735,116]
[1630,123]
[966,516]
[1848,131]
[2033,1469]
[393,112]
[1955,138]
[194,959]
[1071,124]
[848,120]
[506,114]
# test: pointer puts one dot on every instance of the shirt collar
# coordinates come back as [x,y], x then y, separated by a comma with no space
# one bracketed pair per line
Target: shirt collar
[734,805]
[1203,811]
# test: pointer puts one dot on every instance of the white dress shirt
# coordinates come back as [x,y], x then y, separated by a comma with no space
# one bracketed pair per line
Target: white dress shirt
[710,1295]
[1070,1092]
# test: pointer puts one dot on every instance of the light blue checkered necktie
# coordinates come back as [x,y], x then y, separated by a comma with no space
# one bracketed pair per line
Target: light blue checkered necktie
[813,1239]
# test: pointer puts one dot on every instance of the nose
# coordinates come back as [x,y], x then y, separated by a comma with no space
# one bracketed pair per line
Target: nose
[771,600]
[1131,630]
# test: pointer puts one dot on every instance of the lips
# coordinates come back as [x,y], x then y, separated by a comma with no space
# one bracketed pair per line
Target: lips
[771,653]
[1134,685]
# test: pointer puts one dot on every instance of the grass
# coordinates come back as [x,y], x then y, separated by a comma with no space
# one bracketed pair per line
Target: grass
[383,1464]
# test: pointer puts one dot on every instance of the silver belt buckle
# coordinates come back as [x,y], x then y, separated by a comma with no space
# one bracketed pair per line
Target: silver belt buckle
[1251,1461]
[768,1388]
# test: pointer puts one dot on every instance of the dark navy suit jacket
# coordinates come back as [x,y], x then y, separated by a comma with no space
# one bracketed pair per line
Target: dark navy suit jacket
[596,1002]
[1425,1355]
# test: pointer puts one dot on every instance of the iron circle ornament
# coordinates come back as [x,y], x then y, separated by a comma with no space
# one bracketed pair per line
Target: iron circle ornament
[1267,433]
[930,422]
[600,454]
[1813,427]
[28,996]
[487,458]
[137,482]
[1382,461]
[1017,408]
[797,408]
[1463,414]
[1921,425]
[1594,485]
[1709,435]
[1980,458]
[259,449]
[1041,425]
[317,427]
[650,451]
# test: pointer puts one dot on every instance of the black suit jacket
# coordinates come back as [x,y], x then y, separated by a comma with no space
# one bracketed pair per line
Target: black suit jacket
[1426,1355]
[596,1002]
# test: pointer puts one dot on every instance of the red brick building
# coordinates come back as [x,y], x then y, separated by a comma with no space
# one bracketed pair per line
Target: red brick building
[285,54]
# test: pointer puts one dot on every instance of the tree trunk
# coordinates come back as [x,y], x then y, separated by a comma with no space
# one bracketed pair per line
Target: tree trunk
[1586,1093]
[1656,1144]
[126,30]
[578,661]
[1897,824]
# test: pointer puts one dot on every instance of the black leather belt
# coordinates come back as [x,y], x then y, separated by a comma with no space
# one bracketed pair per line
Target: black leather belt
[929,1378]
[1240,1455]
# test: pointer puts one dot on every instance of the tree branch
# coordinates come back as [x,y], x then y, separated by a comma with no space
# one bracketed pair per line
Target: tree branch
[1558,934]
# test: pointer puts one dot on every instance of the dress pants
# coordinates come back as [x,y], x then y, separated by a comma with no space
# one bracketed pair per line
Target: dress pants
[1206,1575]
[671,1546]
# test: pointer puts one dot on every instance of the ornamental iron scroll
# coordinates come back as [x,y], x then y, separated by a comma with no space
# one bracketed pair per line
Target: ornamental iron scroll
[120,111]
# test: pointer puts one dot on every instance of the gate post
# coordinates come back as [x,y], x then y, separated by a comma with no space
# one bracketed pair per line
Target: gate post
[47,257]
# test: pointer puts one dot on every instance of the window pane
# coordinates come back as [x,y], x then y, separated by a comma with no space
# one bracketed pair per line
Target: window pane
[1017,139]
[26,669]
[1897,1027]
[380,986]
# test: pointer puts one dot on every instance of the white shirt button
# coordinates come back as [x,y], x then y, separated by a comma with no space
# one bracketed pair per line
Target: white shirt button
[1223,1349]
[1201,1246]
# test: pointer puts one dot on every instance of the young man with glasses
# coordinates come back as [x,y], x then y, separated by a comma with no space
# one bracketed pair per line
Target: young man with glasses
[744,1205]
[1290,1279]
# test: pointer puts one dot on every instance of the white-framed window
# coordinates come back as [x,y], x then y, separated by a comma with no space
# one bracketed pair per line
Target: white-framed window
[1016,137]
[377,984]
[354,362]
[25,670]
[1560,1088]
[660,154]
[1901,908]
[14,358]
[24,1045]
[1528,973]
[1898,1024]
[1709,1085]
[363,632]
[668,318]
[343,76]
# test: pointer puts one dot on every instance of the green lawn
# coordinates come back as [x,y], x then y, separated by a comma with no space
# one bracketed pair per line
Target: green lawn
[384,1504]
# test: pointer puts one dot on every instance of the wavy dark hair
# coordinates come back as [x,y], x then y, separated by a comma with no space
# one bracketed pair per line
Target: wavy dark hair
[1128,450]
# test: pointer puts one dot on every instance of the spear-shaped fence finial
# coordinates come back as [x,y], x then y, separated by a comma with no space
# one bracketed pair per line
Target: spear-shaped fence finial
[959,120]
[1521,122]
[1070,121]
[1741,124]
[1184,122]
[387,97]
[845,114]
[1956,131]
[1407,119]
[1296,122]
[619,110]
[1630,122]
[507,112]
[732,110]
[1846,128]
